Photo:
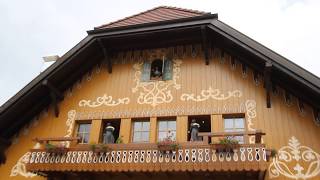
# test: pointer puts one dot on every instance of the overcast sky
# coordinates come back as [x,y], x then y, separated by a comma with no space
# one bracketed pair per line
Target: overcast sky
[32,29]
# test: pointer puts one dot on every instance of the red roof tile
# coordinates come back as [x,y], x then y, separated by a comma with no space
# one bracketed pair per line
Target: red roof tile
[161,13]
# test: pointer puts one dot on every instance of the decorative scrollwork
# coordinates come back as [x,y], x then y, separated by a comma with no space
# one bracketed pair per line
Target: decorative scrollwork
[290,159]
[210,94]
[20,167]
[104,100]
[251,114]
[69,123]
[156,92]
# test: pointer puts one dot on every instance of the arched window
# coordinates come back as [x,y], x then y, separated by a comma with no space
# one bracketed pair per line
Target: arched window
[158,69]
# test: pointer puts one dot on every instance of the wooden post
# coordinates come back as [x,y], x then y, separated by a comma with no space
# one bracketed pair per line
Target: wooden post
[153,130]
[216,125]
[258,136]
[182,128]
[125,130]
[95,131]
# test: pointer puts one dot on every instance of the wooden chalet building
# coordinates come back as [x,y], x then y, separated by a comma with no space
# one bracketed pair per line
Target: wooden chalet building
[150,79]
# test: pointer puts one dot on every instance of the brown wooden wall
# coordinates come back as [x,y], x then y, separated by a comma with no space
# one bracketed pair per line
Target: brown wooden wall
[280,122]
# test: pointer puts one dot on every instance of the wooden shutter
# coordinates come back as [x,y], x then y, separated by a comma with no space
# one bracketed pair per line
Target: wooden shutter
[167,71]
[145,76]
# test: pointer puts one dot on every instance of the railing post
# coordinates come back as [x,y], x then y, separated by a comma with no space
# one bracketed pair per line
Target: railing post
[258,136]
[205,139]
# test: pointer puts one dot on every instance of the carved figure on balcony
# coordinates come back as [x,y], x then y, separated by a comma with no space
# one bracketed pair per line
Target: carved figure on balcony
[194,129]
[109,138]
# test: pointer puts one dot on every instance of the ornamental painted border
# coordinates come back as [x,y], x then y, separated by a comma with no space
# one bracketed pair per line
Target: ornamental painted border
[20,167]
[210,94]
[104,100]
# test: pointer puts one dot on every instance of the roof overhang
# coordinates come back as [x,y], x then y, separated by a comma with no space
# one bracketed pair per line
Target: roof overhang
[16,112]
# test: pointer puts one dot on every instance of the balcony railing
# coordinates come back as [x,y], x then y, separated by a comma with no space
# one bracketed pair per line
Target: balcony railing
[191,156]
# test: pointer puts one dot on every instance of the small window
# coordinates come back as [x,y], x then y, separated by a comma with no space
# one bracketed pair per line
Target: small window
[167,129]
[235,125]
[141,131]
[84,132]
[158,69]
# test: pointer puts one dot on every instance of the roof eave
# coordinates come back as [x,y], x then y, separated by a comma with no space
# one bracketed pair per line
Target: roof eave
[137,26]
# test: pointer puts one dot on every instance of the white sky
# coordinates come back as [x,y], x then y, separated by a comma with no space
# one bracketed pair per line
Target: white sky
[32,29]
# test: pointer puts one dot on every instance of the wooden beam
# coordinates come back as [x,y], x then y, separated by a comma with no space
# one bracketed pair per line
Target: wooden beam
[107,59]
[256,77]
[233,62]
[128,175]
[4,144]
[316,113]
[55,104]
[267,82]
[244,69]
[287,97]
[55,96]
[53,89]
[262,175]
[300,105]
[169,175]
[205,44]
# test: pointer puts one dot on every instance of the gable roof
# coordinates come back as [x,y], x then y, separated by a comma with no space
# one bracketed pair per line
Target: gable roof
[161,13]
[34,97]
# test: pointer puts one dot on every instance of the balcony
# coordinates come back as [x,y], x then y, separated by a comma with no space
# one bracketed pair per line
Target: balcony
[191,157]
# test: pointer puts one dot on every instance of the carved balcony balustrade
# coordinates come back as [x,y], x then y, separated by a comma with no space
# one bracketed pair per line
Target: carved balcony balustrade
[191,156]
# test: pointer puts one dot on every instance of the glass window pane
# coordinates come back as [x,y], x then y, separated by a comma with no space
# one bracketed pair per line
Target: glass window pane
[145,136]
[145,126]
[81,128]
[136,137]
[240,139]
[228,123]
[85,138]
[172,125]
[88,128]
[162,125]
[137,126]
[162,135]
[239,123]
[84,127]
[173,135]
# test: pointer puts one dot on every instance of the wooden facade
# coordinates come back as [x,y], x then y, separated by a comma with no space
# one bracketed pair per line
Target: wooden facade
[212,83]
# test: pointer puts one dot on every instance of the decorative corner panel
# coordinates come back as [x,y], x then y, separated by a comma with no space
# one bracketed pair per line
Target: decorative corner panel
[295,161]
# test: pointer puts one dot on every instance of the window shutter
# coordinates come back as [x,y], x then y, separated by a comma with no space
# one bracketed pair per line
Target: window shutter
[167,71]
[145,76]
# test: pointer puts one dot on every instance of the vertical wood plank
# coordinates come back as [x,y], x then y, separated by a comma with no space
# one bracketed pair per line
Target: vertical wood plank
[182,128]
[216,125]
[153,130]
[95,131]
[125,130]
